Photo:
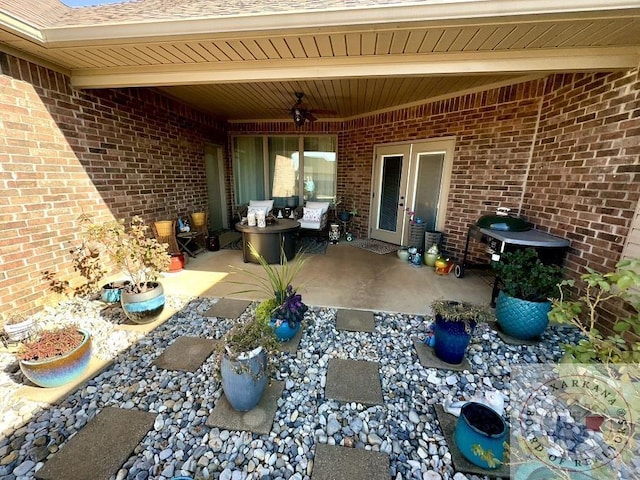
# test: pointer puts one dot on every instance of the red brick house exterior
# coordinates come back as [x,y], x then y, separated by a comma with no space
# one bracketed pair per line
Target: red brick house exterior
[567,146]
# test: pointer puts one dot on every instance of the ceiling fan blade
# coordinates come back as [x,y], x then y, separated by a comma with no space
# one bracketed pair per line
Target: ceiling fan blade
[320,111]
[311,117]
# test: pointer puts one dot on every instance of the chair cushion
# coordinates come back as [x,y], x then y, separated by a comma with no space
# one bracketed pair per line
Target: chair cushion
[262,203]
[312,214]
[323,205]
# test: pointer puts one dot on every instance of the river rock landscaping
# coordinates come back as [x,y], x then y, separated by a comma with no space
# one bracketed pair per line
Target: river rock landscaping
[404,427]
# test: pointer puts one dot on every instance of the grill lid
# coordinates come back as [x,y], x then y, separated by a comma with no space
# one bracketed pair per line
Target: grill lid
[503,223]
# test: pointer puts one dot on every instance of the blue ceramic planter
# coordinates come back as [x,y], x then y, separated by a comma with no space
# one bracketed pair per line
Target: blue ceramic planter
[244,379]
[480,426]
[143,307]
[520,318]
[284,332]
[451,340]
[57,371]
[111,292]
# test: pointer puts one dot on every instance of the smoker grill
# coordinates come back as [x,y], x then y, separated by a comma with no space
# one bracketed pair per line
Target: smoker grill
[501,238]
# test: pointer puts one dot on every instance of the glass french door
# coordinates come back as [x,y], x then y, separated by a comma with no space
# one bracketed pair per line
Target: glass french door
[410,177]
[389,193]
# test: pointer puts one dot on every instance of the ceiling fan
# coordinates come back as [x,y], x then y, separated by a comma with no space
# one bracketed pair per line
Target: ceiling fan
[300,113]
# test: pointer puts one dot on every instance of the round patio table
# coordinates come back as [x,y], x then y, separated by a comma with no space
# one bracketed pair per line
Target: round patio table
[268,240]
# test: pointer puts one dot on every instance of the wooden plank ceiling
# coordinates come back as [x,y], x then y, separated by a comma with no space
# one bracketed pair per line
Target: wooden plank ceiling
[351,70]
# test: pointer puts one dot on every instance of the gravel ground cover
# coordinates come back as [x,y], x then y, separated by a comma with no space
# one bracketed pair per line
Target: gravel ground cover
[180,444]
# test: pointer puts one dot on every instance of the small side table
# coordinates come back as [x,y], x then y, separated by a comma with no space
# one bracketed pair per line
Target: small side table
[188,242]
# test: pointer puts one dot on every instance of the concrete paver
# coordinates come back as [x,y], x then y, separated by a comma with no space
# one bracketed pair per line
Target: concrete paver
[355,320]
[428,359]
[227,308]
[186,354]
[508,339]
[341,463]
[101,447]
[292,345]
[258,420]
[460,464]
[354,381]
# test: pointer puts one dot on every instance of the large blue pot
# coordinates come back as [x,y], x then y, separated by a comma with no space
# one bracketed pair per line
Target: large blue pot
[480,429]
[451,340]
[244,379]
[57,371]
[284,332]
[521,318]
[143,307]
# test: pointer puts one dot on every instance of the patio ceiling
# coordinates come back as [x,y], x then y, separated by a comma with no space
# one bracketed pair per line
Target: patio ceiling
[242,66]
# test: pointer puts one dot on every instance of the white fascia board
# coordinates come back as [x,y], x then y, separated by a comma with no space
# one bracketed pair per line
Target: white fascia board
[433,11]
[19,27]
[557,60]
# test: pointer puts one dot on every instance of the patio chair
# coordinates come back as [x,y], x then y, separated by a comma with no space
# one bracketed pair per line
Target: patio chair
[314,218]
[200,225]
[165,232]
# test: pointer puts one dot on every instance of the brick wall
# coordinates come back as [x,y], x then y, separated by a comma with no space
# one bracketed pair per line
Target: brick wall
[110,154]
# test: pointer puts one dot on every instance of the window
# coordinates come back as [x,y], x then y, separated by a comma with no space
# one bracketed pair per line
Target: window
[297,168]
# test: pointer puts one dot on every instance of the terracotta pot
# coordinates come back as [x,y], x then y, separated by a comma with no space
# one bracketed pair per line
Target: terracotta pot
[177,262]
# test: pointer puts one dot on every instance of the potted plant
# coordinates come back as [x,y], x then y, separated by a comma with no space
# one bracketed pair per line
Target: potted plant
[527,284]
[17,327]
[243,361]
[55,357]
[284,306]
[142,259]
[454,324]
[480,435]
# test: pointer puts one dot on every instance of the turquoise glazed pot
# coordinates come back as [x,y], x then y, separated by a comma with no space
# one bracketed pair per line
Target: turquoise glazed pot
[244,379]
[57,371]
[112,292]
[520,318]
[480,426]
[143,307]
[284,332]
[451,340]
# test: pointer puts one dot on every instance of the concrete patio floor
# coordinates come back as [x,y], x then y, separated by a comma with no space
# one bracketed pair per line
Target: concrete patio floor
[344,277]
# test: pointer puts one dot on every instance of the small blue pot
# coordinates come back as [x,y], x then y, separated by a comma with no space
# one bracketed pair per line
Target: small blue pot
[284,332]
[451,340]
[244,379]
[521,318]
[111,292]
[480,426]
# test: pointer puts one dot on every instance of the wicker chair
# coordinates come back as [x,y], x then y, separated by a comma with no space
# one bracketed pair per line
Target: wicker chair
[165,232]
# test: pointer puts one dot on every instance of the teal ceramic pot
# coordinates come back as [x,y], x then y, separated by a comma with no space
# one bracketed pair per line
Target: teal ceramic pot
[480,426]
[57,371]
[143,307]
[345,216]
[451,340]
[284,332]
[244,379]
[520,318]
[112,292]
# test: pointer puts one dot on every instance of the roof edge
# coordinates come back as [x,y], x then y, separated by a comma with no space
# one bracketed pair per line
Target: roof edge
[440,10]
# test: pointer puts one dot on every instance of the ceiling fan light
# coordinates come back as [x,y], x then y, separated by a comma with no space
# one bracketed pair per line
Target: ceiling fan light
[299,117]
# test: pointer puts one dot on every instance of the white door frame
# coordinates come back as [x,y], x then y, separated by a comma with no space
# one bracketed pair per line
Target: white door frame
[411,152]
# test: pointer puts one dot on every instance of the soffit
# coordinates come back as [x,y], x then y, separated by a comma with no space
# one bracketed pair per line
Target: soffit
[237,69]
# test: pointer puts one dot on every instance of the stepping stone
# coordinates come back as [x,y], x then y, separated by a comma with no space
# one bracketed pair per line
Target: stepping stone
[355,321]
[227,308]
[292,345]
[342,463]
[509,339]
[186,354]
[259,420]
[460,464]
[428,359]
[101,447]
[354,381]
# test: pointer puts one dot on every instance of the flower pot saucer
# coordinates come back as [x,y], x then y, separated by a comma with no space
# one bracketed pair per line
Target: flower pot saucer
[428,358]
